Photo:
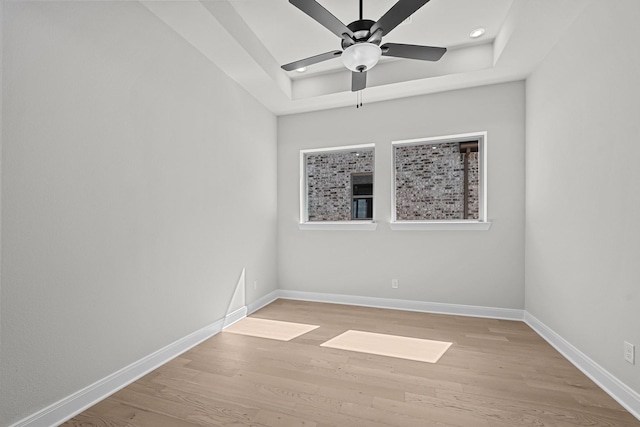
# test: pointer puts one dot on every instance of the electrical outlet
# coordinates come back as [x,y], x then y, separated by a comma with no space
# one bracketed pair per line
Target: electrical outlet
[629,352]
[394,283]
[255,285]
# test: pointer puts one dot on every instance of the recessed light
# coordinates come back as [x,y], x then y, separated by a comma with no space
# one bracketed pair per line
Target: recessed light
[476,33]
[409,20]
[301,69]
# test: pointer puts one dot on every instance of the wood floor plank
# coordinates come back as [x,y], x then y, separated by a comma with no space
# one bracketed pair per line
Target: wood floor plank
[125,415]
[551,414]
[497,373]
[436,411]
[278,419]
[380,413]
[487,413]
[191,409]
[335,419]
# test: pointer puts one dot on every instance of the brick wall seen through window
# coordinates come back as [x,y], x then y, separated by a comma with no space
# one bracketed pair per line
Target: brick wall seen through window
[430,181]
[332,177]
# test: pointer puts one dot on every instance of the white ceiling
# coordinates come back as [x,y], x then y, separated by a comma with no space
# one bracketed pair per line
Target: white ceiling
[250,39]
[302,37]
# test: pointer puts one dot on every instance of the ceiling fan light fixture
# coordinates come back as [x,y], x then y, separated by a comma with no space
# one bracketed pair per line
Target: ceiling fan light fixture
[361,56]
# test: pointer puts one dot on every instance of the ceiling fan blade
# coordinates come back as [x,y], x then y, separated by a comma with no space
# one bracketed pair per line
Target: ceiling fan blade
[312,60]
[358,80]
[323,16]
[425,53]
[398,13]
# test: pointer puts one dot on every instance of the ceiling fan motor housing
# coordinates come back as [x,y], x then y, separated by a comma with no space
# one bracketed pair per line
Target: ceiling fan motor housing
[361,33]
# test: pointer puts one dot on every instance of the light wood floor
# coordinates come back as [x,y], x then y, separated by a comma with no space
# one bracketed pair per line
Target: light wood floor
[497,373]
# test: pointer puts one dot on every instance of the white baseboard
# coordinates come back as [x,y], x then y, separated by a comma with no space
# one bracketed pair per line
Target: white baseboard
[81,400]
[72,405]
[398,304]
[263,302]
[619,391]
[615,388]
[234,317]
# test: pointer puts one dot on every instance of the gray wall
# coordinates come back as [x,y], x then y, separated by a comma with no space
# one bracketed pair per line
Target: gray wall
[428,264]
[121,233]
[583,233]
[1,133]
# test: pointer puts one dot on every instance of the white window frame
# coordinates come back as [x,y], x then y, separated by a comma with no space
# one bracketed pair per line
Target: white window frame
[482,223]
[352,225]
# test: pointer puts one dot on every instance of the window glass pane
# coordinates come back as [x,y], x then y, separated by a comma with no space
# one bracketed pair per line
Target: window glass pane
[332,178]
[437,181]
[362,189]
[363,208]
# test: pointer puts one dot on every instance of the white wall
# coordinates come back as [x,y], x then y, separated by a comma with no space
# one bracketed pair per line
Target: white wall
[484,268]
[583,146]
[1,133]
[137,182]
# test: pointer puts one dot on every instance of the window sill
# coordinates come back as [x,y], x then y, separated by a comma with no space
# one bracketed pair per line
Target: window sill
[440,225]
[339,225]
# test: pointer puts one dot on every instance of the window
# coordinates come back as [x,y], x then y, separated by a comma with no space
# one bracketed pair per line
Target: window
[440,181]
[362,196]
[337,185]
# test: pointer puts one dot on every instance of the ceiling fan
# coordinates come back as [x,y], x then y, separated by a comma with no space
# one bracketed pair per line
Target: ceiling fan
[361,39]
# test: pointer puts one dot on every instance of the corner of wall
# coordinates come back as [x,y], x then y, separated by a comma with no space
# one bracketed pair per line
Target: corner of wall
[1,137]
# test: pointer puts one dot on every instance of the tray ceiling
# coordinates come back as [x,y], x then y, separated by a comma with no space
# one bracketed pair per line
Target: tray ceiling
[250,39]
